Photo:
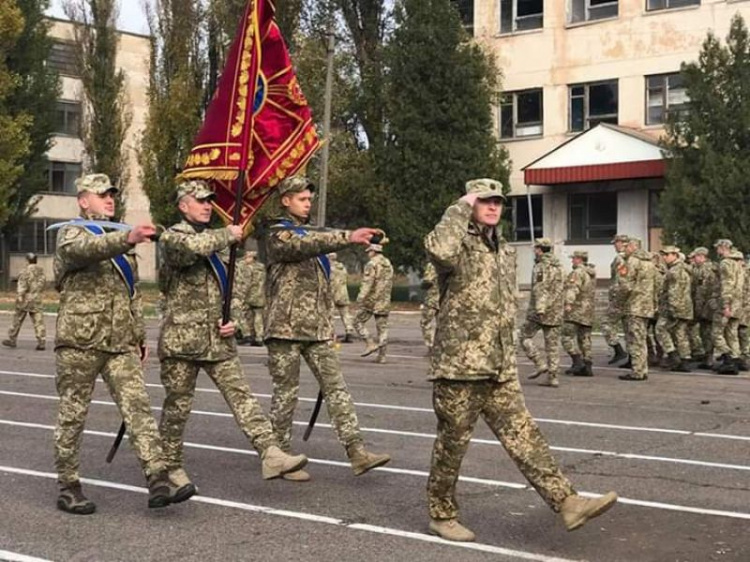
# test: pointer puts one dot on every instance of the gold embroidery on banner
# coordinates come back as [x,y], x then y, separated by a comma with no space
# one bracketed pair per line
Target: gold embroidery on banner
[243,91]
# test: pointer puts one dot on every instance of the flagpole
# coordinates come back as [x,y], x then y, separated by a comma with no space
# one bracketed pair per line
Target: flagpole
[239,190]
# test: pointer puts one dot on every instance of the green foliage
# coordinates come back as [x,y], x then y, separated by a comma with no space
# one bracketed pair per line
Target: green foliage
[108,115]
[14,140]
[707,197]
[35,93]
[176,100]
[440,127]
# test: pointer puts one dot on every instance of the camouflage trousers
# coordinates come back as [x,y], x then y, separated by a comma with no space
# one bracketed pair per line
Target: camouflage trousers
[614,322]
[77,370]
[726,336]
[346,318]
[427,324]
[743,336]
[576,339]
[254,317]
[551,345]
[179,377]
[636,336]
[673,335]
[697,346]
[36,317]
[284,367]
[381,325]
[705,331]
[458,405]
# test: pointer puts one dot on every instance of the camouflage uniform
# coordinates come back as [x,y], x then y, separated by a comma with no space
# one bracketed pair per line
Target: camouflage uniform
[473,365]
[637,279]
[256,301]
[616,302]
[744,330]
[299,323]
[339,284]
[729,293]
[100,330]
[580,304]
[375,299]
[31,283]
[430,305]
[190,341]
[675,309]
[545,313]
[705,281]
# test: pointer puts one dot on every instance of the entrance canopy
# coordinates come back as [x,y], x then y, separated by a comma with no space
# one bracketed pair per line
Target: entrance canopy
[603,153]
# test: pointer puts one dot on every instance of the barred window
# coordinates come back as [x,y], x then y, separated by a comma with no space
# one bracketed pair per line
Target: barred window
[62,58]
[33,236]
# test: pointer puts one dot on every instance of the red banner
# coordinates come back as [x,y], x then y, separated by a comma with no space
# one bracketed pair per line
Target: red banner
[258,119]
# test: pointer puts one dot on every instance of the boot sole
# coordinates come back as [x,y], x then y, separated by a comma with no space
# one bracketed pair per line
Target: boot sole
[369,467]
[437,534]
[270,475]
[184,493]
[78,510]
[159,502]
[596,513]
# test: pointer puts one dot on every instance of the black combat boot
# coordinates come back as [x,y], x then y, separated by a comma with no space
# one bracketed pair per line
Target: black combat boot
[577,364]
[728,366]
[585,371]
[619,354]
[682,366]
[742,365]
[671,361]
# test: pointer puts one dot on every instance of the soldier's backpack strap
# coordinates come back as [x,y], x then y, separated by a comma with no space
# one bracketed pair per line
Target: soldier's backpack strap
[120,262]
[323,261]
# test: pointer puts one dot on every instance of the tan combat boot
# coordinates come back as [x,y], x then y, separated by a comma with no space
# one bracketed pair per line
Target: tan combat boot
[297,476]
[576,510]
[551,380]
[277,463]
[371,348]
[362,460]
[183,488]
[381,355]
[451,530]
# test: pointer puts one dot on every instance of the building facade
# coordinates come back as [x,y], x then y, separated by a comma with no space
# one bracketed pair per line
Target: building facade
[67,156]
[568,66]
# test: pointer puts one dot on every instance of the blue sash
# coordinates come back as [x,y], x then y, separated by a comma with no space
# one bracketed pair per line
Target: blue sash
[323,261]
[219,269]
[121,263]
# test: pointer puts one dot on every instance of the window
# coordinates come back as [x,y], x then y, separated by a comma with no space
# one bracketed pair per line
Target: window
[33,236]
[591,104]
[667,4]
[68,118]
[665,94]
[62,176]
[62,58]
[519,15]
[521,114]
[520,217]
[592,217]
[589,10]
[466,11]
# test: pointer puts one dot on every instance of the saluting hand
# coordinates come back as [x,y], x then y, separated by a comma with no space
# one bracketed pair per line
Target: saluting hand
[470,198]
[363,235]
[141,233]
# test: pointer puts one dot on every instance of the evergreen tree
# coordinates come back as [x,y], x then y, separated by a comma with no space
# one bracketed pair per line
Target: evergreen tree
[176,100]
[107,116]
[707,193]
[440,91]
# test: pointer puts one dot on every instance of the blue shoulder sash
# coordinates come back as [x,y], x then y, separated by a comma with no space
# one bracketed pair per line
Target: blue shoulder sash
[120,262]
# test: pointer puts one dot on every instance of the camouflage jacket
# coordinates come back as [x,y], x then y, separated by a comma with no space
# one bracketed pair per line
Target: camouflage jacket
[339,282]
[615,294]
[638,278]
[299,295]
[476,270]
[31,283]
[745,320]
[704,289]
[256,296]
[730,285]
[676,295]
[241,297]
[659,276]
[580,295]
[377,284]
[547,288]
[193,299]
[96,310]
[430,287]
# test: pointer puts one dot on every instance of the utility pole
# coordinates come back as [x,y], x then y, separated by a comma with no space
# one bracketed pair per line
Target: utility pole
[323,188]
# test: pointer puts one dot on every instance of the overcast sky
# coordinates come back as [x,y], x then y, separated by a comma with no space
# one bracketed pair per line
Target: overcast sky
[132,17]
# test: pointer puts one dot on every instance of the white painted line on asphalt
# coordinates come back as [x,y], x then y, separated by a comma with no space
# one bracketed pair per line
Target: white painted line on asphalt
[430,411]
[423,474]
[313,518]
[8,556]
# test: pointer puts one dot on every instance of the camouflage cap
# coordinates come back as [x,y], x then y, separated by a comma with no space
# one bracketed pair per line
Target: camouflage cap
[633,240]
[580,254]
[543,243]
[95,183]
[700,251]
[375,248]
[670,250]
[620,238]
[295,184]
[485,188]
[197,188]
[723,242]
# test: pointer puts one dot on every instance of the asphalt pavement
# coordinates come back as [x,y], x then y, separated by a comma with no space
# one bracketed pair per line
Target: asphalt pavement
[676,448]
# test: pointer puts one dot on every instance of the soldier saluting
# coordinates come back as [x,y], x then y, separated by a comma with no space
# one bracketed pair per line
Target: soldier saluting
[474,369]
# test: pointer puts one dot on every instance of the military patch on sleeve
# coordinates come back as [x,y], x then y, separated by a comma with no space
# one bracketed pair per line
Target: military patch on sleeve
[622,270]
[285,235]
[539,276]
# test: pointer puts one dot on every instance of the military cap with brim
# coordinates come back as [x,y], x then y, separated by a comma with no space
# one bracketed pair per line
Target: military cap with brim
[197,188]
[634,240]
[670,250]
[543,243]
[620,238]
[580,254]
[700,251]
[485,188]
[723,242]
[295,184]
[95,183]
